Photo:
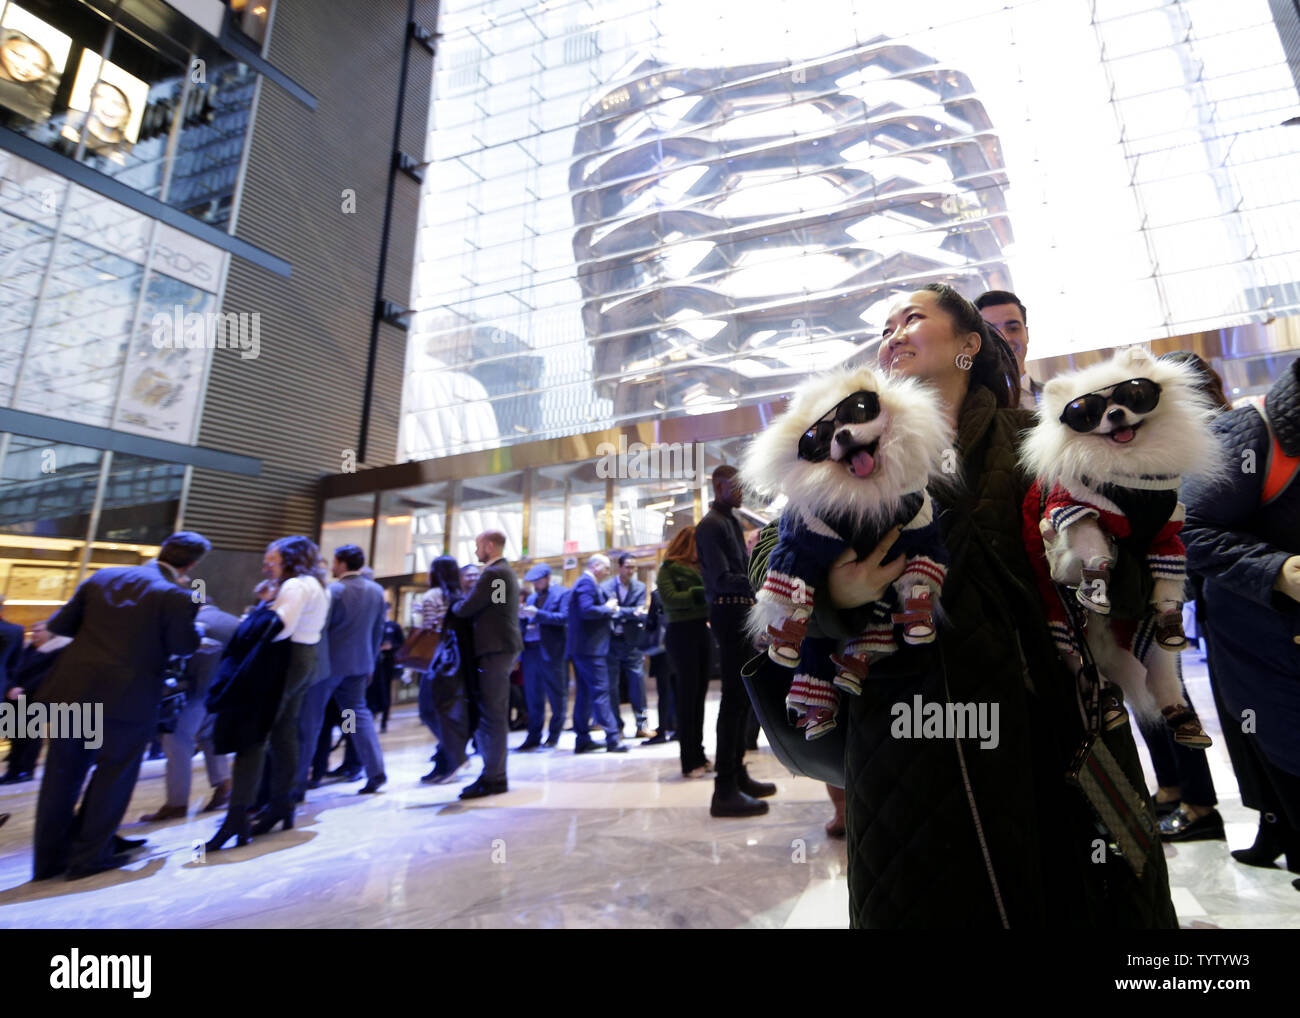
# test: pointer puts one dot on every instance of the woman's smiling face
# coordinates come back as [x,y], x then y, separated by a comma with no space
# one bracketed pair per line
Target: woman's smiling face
[919,340]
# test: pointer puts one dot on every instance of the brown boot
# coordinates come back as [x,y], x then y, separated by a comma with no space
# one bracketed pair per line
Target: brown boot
[165,813]
[220,797]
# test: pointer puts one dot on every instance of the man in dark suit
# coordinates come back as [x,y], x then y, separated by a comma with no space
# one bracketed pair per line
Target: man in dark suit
[546,671]
[493,604]
[125,623]
[588,646]
[194,723]
[355,630]
[626,661]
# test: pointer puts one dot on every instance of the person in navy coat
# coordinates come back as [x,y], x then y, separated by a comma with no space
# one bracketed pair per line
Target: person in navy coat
[588,647]
[1243,542]
[626,658]
[544,620]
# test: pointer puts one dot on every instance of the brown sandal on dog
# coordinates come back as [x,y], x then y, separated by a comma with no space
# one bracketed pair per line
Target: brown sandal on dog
[1169,631]
[786,641]
[1186,726]
[917,620]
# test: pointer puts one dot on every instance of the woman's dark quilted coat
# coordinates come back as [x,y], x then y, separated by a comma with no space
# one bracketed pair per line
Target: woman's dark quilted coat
[1237,546]
[914,856]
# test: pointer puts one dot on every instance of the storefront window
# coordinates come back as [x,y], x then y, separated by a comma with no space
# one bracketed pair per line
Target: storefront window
[568,511]
[348,520]
[141,498]
[412,530]
[489,503]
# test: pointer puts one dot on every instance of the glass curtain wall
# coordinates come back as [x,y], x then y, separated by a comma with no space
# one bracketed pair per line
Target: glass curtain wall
[648,208]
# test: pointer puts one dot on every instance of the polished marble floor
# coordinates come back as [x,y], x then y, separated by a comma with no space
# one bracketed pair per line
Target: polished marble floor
[578,841]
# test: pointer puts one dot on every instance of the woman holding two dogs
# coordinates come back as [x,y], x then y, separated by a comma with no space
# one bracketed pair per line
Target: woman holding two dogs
[978,837]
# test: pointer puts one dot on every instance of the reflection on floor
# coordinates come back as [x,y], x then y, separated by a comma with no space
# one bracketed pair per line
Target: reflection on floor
[579,841]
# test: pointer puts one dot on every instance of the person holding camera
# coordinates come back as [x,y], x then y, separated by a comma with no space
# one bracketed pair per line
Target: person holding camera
[626,658]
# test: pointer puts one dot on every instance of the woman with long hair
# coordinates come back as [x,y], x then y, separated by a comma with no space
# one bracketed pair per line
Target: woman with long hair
[988,833]
[443,704]
[301,607]
[681,589]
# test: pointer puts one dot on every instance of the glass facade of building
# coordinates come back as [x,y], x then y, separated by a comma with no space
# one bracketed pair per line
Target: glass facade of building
[641,210]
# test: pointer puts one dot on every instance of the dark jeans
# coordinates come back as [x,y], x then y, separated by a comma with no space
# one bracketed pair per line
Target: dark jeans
[661,670]
[727,623]
[69,837]
[688,649]
[591,699]
[1178,766]
[283,740]
[544,681]
[626,663]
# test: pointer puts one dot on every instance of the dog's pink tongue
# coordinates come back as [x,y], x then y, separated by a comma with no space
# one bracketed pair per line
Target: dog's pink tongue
[1122,435]
[863,463]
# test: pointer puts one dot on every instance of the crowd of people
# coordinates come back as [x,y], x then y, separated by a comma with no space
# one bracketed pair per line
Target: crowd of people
[979,839]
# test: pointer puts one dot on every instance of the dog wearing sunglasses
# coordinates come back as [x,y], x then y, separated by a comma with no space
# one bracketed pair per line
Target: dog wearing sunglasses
[1109,451]
[852,453]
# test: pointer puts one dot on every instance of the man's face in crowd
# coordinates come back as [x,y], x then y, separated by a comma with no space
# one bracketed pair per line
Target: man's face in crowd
[540,584]
[339,568]
[1009,320]
[727,491]
[468,578]
[599,570]
[626,571]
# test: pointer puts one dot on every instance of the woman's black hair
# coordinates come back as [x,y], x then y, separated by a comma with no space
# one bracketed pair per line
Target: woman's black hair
[1208,379]
[995,365]
[444,573]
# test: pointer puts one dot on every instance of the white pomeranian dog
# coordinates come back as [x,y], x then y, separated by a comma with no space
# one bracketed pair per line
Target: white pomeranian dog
[852,454]
[1111,447]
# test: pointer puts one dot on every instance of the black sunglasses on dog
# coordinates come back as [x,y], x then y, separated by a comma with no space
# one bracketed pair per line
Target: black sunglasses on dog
[1084,414]
[856,408]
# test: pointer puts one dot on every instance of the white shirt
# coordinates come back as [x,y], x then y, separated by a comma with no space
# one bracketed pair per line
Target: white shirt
[303,607]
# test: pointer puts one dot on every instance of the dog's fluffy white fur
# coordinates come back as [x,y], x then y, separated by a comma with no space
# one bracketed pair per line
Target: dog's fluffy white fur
[911,428]
[1174,438]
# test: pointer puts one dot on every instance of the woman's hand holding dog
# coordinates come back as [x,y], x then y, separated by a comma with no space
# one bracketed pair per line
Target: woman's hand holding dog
[855,581]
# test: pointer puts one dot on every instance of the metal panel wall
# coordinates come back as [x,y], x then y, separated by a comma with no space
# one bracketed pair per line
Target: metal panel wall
[297,406]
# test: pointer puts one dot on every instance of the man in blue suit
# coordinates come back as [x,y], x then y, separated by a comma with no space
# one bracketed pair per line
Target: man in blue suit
[355,630]
[124,623]
[544,617]
[588,645]
[626,658]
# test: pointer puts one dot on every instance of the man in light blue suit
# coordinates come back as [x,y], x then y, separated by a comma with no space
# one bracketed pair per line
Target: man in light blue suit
[355,630]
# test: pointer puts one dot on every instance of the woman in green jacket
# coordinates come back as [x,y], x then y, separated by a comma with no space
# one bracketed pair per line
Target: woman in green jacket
[981,832]
[686,641]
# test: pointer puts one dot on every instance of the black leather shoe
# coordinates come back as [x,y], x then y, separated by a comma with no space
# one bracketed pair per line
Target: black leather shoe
[480,788]
[1271,841]
[615,746]
[732,802]
[528,745]
[345,774]
[552,742]
[115,862]
[590,746]
[14,777]
[756,789]
[658,739]
[374,784]
[121,844]
[1176,826]
[432,777]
